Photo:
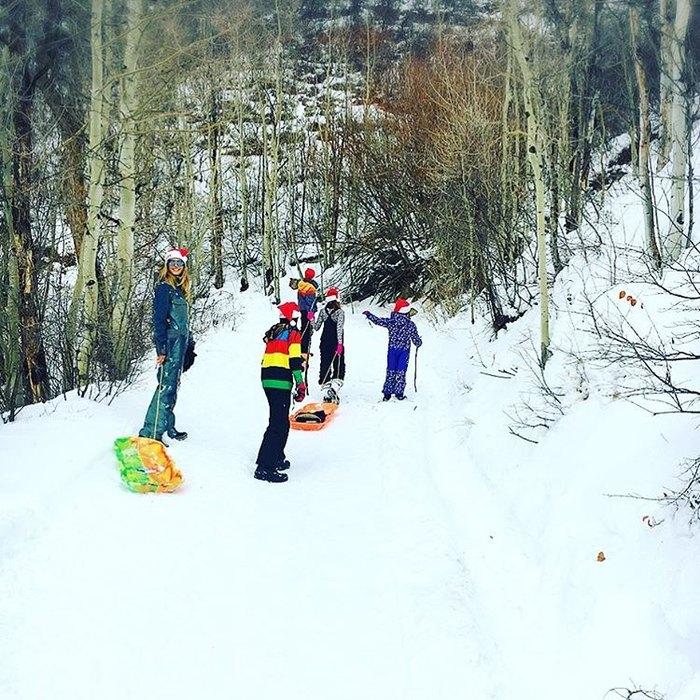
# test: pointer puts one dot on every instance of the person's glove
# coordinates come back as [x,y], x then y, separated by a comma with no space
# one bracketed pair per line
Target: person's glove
[311,315]
[301,393]
[365,313]
[339,349]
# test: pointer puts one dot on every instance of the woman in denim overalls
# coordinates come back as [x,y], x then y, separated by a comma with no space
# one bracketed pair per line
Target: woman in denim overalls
[171,331]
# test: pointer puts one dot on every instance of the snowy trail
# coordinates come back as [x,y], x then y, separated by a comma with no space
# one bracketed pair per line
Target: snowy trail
[346,581]
[416,551]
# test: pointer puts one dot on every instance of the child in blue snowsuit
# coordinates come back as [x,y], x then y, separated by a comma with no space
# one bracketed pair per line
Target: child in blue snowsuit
[402,331]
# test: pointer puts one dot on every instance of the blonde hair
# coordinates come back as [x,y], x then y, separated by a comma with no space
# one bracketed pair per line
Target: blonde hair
[183,281]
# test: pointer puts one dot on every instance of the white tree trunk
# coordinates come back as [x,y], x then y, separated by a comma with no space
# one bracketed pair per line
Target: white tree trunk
[215,185]
[665,83]
[533,108]
[644,162]
[243,178]
[9,325]
[86,287]
[267,247]
[127,183]
[679,129]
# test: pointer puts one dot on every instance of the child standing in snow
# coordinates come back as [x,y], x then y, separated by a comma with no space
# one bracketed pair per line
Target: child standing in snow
[307,298]
[402,331]
[332,318]
[281,369]
[172,335]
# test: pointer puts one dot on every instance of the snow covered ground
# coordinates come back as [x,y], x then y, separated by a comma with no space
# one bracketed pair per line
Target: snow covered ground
[418,550]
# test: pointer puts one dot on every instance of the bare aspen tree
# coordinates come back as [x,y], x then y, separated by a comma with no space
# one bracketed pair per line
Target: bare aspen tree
[186,202]
[577,27]
[533,112]
[9,301]
[270,116]
[583,71]
[644,162]
[507,145]
[665,82]
[24,76]
[128,104]
[267,245]
[273,157]
[215,205]
[679,127]
[563,131]
[327,138]
[243,174]
[86,290]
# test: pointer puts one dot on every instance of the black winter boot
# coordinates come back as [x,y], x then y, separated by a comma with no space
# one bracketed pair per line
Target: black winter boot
[386,397]
[176,434]
[284,464]
[271,475]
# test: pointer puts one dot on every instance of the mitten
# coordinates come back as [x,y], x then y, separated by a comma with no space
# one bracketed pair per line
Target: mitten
[311,315]
[301,393]
[339,349]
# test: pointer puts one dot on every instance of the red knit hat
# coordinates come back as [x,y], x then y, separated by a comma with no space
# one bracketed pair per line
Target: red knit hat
[402,306]
[309,273]
[289,310]
[332,294]
[177,254]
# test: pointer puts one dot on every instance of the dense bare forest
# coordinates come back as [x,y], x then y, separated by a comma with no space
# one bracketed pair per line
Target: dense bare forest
[447,151]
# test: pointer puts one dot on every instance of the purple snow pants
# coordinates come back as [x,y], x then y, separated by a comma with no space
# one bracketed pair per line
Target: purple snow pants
[396,366]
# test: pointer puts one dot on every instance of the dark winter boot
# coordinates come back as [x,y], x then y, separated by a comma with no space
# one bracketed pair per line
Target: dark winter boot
[176,434]
[284,464]
[400,397]
[386,397]
[271,475]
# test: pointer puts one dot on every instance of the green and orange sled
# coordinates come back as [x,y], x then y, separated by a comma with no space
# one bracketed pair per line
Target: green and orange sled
[145,466]
[313,416]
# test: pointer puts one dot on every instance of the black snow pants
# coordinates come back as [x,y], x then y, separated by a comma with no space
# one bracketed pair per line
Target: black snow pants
[328,345]
[274,440]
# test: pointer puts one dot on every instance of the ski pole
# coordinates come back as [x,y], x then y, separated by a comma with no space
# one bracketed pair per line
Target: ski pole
[415,372]
[159,389]
[309,330]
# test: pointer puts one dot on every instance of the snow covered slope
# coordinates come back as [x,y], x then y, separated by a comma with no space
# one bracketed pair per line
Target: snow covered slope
[418,550]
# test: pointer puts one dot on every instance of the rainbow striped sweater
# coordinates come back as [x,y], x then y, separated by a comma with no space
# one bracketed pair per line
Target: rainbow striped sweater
[281,363]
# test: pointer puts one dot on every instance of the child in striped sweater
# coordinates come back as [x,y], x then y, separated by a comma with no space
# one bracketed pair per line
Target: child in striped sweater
[281,370]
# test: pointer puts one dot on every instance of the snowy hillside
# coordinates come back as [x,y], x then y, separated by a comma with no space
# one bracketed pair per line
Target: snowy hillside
[418,550]
[523,523]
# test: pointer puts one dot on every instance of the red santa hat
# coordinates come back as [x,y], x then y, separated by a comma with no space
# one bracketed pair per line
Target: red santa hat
[309,273]
[289,310]
[402,306]
[332,294]
[177,254]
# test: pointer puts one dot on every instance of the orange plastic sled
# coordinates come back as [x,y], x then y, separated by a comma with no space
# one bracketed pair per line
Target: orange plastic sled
[324,413]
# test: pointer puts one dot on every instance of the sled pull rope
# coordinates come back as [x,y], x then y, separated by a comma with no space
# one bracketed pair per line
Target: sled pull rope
[330,367]
[160,389]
